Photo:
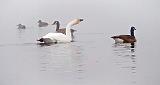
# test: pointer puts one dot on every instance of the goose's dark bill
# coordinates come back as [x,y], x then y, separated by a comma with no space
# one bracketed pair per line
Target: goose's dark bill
[81,19]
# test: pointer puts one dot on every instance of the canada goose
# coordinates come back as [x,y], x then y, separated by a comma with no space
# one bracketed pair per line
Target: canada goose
[62,30]
[42,24]
[20,26]
[126,38]
[60,37]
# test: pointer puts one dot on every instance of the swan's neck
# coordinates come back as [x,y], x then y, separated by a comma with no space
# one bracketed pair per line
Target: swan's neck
[68,31]
[57,26]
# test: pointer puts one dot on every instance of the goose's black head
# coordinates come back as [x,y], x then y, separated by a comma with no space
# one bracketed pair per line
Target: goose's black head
[55,22]
[57,25]
[132,30]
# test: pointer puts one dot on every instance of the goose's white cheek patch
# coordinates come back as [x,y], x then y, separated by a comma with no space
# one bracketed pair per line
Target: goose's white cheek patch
[117,40]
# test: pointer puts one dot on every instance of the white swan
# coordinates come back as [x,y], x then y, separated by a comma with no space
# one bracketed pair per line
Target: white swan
[60,37]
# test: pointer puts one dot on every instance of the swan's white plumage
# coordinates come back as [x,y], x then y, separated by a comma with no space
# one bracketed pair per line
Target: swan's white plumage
[60,37]
[57,37]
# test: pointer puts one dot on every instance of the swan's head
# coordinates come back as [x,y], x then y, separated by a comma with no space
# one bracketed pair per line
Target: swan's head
[55,22]
[75,22]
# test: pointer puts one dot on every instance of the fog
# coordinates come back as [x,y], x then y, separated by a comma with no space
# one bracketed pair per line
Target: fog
[22,57]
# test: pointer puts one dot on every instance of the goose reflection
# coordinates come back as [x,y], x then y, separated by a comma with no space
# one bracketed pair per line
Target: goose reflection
[63,58]
[125,56]
[125,59]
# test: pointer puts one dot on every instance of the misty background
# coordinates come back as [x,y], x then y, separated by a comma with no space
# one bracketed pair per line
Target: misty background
[102,19]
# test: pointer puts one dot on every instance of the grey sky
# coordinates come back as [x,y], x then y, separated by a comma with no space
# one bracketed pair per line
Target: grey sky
[107,12]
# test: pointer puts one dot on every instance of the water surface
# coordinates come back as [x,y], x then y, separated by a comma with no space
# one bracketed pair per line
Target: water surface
[93,58]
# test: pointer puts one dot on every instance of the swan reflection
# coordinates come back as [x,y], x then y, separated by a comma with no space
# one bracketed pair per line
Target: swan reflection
[64,58]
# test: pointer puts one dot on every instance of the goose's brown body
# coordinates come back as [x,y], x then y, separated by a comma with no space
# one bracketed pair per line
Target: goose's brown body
[126,38]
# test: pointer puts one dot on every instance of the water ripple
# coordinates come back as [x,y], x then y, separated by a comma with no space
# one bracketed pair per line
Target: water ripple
[63,58]
[125,58]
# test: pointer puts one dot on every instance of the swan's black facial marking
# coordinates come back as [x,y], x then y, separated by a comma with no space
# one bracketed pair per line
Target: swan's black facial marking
[81,20]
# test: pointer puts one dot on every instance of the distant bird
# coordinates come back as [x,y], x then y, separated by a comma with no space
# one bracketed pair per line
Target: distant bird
[62,30]
[126,38]
[20,26]
[60,37]
[42,24]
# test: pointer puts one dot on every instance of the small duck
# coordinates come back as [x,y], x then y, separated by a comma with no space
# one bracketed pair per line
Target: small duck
[62,30]
[20,26]
[126,38]
[42,24]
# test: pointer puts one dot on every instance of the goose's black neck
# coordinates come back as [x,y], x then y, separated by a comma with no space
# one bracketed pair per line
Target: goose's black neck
[57,25]
[132,31]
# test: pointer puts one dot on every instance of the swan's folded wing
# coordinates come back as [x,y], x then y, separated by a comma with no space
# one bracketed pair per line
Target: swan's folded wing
[49,40]
[58,37]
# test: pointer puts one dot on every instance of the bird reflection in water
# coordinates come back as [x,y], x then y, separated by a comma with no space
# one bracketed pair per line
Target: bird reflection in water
[125,53]
[64,58]
[125,58]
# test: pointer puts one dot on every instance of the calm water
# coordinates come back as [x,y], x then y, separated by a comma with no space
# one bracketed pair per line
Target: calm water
[93,59]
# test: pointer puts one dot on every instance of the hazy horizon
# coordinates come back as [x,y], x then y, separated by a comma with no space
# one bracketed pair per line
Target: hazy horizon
[93,58]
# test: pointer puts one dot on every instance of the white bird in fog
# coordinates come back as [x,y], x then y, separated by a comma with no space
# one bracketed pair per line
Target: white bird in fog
[60,37]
